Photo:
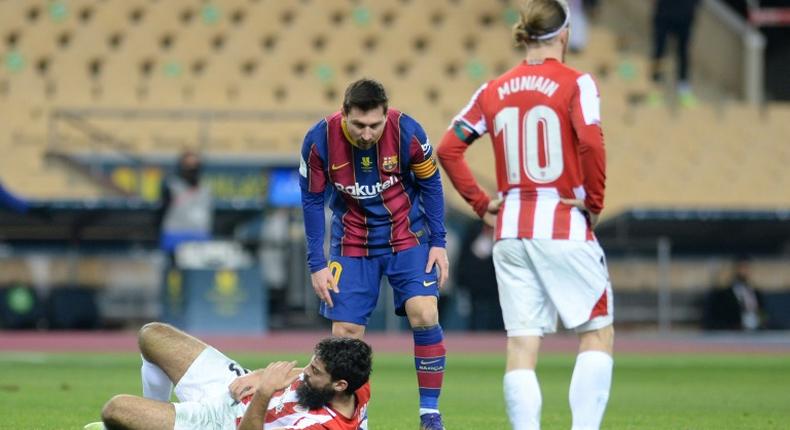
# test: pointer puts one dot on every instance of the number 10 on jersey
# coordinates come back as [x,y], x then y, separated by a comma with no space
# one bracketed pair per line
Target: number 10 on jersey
[538,128]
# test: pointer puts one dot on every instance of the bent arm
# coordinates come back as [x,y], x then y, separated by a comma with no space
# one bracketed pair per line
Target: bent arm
[586,120]
[255,415]
[276,376]
[451,156]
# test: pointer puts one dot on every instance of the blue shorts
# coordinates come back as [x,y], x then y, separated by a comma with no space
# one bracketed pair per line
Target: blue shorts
[359,280]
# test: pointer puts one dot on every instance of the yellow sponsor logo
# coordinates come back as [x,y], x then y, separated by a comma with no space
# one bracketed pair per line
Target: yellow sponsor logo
[367,165]
[335,269]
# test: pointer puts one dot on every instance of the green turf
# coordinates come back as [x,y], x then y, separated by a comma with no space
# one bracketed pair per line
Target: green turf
[64,391]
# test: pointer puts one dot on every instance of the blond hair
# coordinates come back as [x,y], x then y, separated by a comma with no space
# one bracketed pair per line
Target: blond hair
[540,22]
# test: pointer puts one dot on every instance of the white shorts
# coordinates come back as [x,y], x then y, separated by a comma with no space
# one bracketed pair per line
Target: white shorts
[541,278]
[204,398]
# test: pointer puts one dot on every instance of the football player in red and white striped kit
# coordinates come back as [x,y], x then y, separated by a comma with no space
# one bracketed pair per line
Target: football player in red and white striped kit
[215,392]
[543,118]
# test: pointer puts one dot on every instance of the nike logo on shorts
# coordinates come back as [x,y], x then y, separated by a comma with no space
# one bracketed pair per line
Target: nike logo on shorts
[428,283]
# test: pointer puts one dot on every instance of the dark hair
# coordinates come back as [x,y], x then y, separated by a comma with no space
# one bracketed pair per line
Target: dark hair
[539,18]
[365,94]
[346,358]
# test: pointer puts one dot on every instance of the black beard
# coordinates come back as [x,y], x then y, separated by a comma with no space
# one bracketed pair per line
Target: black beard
[312,398]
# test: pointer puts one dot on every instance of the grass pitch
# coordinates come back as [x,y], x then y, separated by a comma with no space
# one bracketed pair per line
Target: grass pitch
[681,392]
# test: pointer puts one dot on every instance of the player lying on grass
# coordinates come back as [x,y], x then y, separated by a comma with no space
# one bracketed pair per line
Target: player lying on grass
[215,392]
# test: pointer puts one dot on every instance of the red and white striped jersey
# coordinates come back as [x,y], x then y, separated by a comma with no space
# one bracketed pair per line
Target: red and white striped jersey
[544,123]
[284,412]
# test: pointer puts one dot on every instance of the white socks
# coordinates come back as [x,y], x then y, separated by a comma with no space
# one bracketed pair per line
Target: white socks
[523,399]
[156,384]
[589,392]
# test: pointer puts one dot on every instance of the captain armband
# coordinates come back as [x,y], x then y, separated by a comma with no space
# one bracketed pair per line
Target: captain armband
[425,169]
[464,132]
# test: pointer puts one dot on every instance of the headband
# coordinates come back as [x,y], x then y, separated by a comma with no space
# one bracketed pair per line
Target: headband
[554,33]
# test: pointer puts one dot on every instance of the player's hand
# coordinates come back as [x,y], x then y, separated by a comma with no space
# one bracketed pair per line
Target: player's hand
[276,376]
[323,281]
[489,219]
[494,205]
[490,216]
[243,385]
[579,204]
[438,256]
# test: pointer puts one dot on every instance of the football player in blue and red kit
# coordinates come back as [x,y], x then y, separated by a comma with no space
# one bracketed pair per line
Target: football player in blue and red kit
[376,168]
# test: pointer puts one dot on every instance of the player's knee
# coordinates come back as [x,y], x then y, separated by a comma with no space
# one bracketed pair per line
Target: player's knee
[422,311]
[348,330]
[522,352]
[605,335]
[149,332]
[609,331]
[598,340]
[425,316]
[112,412]
[523,344]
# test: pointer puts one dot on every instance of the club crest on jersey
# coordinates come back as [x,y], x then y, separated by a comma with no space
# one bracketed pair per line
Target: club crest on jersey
[367,165]
[361,192]
[389,163]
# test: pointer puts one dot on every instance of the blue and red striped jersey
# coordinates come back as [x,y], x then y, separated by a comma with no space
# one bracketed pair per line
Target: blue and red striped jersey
[384,199]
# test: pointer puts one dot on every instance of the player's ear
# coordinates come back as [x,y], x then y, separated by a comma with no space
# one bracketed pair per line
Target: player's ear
[565,36]
[340,385]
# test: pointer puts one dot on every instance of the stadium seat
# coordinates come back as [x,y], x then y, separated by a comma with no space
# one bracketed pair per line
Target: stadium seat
[298,56]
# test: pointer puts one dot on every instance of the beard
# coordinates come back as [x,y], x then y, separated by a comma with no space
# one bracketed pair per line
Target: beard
[313,398]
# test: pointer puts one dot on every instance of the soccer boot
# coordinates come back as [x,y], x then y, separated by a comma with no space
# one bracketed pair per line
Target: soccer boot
[431,422]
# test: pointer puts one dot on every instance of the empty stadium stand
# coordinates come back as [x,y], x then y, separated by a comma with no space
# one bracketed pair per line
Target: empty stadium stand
[298,56]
